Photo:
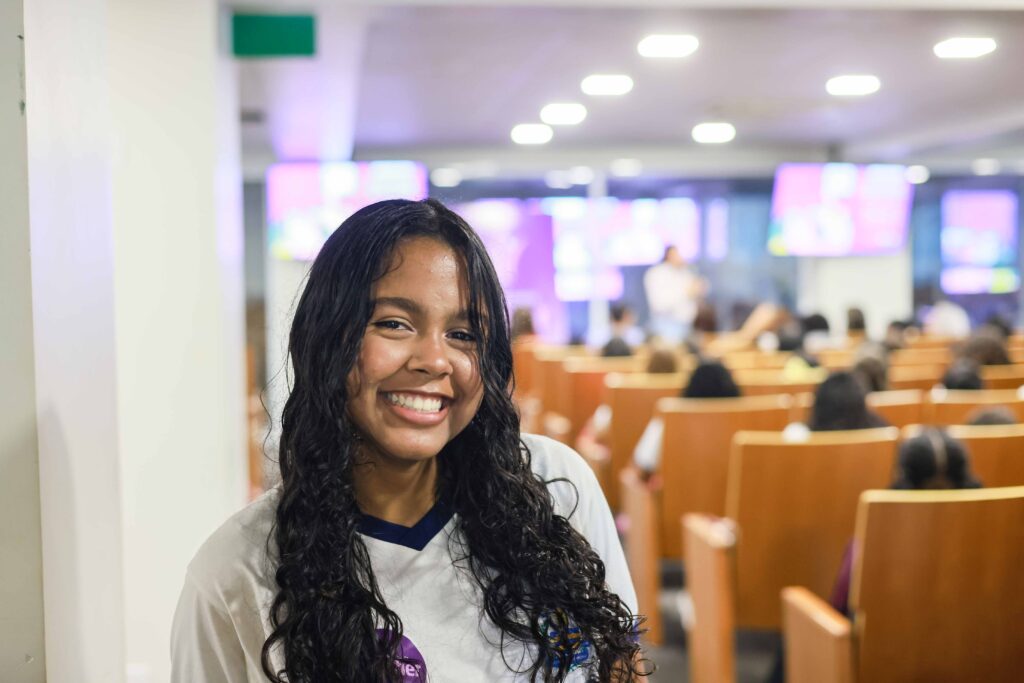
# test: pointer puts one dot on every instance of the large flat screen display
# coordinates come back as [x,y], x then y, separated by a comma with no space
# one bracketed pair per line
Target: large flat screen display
[307,201]
[979,242]
[839,209]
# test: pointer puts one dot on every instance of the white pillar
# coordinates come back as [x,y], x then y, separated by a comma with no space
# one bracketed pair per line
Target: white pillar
[73,308]
[21,567]
[135,202]
[179,301]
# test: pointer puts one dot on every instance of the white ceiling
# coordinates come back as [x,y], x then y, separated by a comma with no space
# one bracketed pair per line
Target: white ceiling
[447,83]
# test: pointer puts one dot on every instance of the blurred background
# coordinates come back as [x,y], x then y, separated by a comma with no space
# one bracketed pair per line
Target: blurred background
[170,169]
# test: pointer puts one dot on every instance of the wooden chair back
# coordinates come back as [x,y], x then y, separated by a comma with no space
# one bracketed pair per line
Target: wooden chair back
[945,407]
[898,408]
[640,506]
[753,359]
[996,452]
[709,553]
[632,398]
[921,377]
[764,382]
[936,593]
[695,453]
[1003,376]
[921,356]
[584,387]
[795,504]
[927,341]
[545,373]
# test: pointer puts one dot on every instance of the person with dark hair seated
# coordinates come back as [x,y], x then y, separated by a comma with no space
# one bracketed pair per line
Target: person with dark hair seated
[622,320]
[998,325]
[993,415]
[856,326]
[986,347]
[710,379]
[927,461]
[963,374]
[872,372]
[839,404]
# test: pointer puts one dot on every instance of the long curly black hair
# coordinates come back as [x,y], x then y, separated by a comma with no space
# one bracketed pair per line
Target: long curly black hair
[528,562]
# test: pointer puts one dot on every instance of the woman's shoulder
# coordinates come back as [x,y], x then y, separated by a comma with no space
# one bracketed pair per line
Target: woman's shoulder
[236,553]
[552,459]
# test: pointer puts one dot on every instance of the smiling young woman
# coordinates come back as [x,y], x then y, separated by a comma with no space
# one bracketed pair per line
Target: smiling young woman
[416,533]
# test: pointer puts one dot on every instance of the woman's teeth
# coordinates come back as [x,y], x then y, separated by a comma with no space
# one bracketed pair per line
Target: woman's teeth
[417,403]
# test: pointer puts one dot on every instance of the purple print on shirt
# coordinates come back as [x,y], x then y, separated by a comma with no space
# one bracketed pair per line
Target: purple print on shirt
[409,661]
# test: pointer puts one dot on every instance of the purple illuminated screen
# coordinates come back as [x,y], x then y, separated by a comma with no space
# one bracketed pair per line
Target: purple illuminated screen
[839,209]
[306,202]
[979,242]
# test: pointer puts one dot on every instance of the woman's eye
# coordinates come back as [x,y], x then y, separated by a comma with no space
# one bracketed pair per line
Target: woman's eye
[463,336]
[390,325]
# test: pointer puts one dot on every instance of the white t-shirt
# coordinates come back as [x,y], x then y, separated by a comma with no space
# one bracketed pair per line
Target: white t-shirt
[222,622]
[670,294]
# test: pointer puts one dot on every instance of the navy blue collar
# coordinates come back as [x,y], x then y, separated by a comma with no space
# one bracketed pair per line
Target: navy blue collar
[417,536]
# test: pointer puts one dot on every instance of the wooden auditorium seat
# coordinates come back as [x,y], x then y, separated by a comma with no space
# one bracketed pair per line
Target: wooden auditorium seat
[925,341]
[709,545]
[935,594]
[899,407]
[793,505]
[922,377]
[996,452]
[1002,376]
[639,500]
[582,387]
[920,356]
[695,449]
[632,398]
[765,382]
[947,407]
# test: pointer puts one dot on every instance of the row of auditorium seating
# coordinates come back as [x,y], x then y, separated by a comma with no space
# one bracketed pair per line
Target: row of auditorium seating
[793,501]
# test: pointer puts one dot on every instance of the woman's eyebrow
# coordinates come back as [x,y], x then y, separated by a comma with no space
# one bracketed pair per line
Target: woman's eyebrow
[407,305]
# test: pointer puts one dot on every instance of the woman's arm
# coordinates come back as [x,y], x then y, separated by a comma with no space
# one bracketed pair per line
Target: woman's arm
[204,642]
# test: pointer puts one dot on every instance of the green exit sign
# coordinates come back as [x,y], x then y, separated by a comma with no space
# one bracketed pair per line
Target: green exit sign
[273,35]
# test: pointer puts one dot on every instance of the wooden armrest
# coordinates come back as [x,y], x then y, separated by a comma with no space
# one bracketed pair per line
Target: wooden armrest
[708,549]
[817,639]
[643,553]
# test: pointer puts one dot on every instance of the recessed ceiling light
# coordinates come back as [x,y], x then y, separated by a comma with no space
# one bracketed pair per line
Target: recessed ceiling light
[626,168]
[607,84]
[964,48]
[563,113]
[668,46]
[557,180]
[531,134]
[581,175]
[853,85]
[446,177]
[986,167]
[916,175]
[713,132]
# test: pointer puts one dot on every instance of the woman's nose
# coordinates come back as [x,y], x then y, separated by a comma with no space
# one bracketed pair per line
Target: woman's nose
[431,355]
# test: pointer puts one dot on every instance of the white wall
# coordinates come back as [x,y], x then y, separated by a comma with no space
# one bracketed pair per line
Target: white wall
[880,285]
[73,307]
[176,189]
[21,570]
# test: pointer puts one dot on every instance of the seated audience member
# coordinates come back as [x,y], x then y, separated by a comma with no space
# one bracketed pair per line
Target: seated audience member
[998,324]
[710,379]
[993,415]
[522,326]
[986,347]
[839,404]
[622,320]
[871,366]
[963,374]
[947,319]
[856,327]
[662,362]
[928,461]
[895,336]
[816,333]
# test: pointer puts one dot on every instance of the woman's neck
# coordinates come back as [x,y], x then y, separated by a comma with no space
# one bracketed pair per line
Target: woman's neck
[399,492]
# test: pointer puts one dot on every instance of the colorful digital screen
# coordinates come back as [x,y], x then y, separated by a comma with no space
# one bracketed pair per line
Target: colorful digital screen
[306,202]
[839,209]
[594,238]
[979,242]
[519,241]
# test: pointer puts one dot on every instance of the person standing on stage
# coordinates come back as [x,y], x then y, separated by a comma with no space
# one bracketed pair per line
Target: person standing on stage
[673,292]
